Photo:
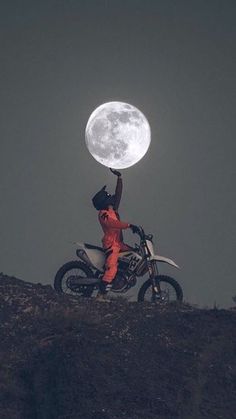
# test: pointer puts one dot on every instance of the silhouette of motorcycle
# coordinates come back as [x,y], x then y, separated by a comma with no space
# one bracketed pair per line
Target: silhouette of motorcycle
[83,277]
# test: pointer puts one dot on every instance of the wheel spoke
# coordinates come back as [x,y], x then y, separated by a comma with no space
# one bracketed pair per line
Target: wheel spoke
[65,280]
[167,294]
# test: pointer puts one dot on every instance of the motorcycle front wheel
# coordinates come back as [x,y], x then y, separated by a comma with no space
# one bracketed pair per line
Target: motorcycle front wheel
[65,279]
[170,291]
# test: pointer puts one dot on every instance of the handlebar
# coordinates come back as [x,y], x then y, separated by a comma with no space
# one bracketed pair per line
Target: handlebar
[141,233]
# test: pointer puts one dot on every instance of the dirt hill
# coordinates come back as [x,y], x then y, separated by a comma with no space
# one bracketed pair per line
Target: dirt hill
[67,358]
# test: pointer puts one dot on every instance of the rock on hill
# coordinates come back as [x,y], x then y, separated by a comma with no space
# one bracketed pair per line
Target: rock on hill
[67,358]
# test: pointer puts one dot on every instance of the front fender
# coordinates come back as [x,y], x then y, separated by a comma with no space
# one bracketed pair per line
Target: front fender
[159,258]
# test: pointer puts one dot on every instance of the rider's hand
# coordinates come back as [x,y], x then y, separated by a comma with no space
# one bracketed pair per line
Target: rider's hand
[134,228]
[115,172]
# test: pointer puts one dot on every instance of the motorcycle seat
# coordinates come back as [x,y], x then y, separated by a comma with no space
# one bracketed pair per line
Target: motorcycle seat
[91,246]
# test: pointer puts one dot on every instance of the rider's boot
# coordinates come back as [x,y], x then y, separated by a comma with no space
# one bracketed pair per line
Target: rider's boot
[104,289]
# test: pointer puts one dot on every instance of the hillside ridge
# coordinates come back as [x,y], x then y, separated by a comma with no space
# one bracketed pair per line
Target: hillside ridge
[66,358]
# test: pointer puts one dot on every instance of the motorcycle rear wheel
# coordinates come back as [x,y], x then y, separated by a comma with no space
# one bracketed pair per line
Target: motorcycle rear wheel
[170,291]
[65,275]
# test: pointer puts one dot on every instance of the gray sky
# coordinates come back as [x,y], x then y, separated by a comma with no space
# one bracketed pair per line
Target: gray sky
[175,61]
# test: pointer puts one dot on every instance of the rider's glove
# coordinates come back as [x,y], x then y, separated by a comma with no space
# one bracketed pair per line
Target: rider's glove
[115,172]
[134,228]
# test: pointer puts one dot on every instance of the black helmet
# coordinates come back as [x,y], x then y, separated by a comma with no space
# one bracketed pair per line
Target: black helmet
[102,199]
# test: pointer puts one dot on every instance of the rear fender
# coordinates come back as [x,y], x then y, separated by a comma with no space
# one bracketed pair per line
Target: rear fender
[92,257]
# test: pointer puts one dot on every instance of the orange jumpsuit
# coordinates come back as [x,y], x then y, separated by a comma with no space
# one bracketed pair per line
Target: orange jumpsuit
[112,240]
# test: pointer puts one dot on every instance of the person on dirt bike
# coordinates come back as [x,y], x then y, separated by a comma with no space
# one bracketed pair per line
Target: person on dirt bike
[112,226]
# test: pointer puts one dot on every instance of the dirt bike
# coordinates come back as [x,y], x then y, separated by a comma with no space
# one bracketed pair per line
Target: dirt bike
[83,277]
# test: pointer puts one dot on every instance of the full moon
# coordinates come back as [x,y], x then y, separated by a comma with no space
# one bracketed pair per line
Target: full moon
[117,135]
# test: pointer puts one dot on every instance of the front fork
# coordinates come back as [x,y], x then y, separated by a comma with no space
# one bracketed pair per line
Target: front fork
[153,273]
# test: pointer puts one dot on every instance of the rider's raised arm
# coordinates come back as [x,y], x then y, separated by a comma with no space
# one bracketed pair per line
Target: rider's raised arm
[119,187]
[118,192]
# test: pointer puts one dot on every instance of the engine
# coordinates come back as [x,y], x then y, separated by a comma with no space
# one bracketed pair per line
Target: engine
[124,278]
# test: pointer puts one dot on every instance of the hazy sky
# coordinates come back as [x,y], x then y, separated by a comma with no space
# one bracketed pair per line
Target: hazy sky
[176,62]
